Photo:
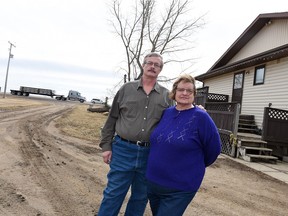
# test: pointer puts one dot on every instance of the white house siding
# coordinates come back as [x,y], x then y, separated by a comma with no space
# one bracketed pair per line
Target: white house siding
[274,90]
[256,97]
[269,37]
[221,84]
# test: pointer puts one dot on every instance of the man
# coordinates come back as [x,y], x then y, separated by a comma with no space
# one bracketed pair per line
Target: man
[136,109]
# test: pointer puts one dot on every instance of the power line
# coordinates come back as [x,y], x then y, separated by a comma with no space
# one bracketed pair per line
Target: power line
[10,56]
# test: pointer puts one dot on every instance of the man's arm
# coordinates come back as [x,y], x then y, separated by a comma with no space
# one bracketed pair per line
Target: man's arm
[108,130]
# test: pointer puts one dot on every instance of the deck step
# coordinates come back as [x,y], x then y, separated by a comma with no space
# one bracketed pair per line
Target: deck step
[247,124]
[256,148]
[245,129]
[255,157]
[252,140]
[253,143]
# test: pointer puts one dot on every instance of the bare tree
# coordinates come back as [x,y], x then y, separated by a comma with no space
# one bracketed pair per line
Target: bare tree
[146,30]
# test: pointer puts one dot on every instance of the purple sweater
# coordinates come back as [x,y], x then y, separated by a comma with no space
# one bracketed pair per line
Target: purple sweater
[183,144]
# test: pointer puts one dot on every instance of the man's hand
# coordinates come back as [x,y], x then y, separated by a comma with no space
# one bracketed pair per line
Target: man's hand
[201,107]
[107,155]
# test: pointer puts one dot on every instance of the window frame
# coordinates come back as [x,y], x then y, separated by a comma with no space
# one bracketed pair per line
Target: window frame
[258,70]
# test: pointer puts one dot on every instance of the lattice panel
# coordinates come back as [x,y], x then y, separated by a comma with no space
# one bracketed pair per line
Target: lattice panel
[221,107]
[202,91]
[217,97]
[278,114]
[226,147]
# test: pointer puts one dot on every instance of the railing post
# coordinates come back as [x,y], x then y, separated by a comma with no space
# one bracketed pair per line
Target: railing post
[236,119]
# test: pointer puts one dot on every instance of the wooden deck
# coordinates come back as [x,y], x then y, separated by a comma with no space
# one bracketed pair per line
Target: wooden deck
[252,148]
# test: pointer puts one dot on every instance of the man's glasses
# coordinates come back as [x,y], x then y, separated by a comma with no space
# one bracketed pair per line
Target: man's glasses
[152,63]
[182,90]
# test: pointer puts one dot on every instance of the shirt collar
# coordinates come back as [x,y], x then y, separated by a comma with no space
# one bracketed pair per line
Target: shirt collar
[156,86]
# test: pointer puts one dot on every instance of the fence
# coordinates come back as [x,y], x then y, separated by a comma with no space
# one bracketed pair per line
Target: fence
[224,114]
[203,96]
[226,118]
[275,127]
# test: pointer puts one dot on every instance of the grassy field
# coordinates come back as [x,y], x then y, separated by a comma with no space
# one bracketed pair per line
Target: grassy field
[12,104]
[81,123]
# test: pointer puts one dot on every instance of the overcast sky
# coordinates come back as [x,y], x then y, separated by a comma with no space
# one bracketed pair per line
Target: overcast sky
[69,44]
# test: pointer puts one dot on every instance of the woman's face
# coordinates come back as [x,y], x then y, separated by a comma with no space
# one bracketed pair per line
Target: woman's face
[184,94]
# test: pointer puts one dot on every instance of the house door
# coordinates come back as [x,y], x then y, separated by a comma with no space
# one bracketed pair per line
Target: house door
[238,88]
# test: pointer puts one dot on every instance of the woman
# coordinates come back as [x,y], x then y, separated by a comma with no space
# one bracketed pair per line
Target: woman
[183,144]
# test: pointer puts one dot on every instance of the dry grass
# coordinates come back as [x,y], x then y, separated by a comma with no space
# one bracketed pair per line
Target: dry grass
[78,123]
[13,104]
[81,123]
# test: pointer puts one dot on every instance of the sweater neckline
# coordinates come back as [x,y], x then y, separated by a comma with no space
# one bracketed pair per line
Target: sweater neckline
[184,109]
[178,113]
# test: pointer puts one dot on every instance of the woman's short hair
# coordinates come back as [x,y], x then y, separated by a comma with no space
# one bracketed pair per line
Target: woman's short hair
[187,79]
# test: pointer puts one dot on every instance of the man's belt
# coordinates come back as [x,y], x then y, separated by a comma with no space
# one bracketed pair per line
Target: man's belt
[139,143]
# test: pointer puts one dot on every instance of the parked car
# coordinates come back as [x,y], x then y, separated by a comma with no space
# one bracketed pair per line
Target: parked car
[97,101]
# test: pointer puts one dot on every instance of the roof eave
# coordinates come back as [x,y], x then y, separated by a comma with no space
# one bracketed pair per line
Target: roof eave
[261,58]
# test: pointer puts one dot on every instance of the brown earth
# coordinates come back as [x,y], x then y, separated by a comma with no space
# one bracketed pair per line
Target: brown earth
[43,172]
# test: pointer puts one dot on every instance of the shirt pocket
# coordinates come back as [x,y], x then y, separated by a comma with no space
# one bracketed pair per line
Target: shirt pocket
[131,109]
[158,110]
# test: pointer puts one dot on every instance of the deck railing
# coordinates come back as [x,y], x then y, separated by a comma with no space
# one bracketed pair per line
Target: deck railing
[203,96]
[224,114]
[275,125]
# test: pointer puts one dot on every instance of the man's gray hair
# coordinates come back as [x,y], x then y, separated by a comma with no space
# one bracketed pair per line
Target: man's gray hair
[154,54]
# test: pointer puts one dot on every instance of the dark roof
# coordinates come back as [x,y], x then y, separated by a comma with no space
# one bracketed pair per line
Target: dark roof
[221,67]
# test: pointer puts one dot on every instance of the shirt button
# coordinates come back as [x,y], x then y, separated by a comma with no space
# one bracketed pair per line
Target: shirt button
[142,129]
[144,118]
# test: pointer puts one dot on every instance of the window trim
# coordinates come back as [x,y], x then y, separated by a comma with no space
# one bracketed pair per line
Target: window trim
[257,69]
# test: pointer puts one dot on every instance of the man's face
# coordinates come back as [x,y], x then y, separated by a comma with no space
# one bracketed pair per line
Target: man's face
[152,66]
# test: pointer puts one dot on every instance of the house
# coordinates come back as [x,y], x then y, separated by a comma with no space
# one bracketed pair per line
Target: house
[254,69]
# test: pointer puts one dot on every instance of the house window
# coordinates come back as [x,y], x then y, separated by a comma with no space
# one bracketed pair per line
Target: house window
[238,81]
[259,75]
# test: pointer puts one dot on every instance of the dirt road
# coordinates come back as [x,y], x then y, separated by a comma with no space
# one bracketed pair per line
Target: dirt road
[43,172]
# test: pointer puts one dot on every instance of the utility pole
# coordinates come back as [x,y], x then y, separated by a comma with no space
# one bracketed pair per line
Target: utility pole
[10,56]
